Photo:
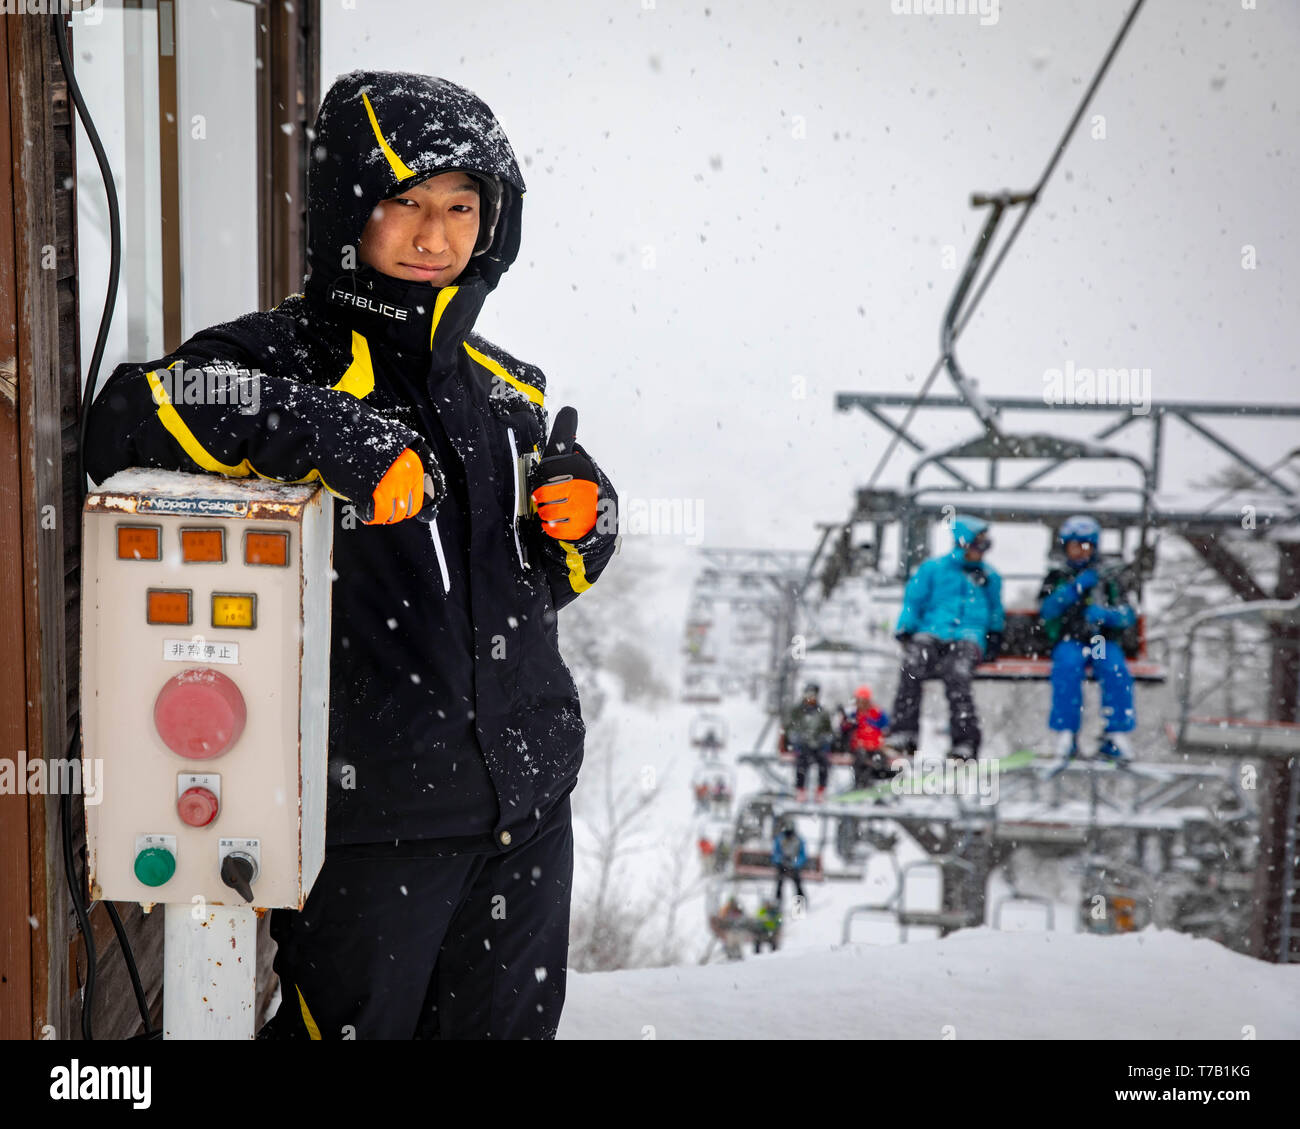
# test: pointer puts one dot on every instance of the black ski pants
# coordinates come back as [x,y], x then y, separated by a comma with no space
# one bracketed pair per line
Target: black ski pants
[951,660]
[404,946]
[787,871]
[805,758]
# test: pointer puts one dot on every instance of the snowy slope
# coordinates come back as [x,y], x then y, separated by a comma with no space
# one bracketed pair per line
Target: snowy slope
[981,983]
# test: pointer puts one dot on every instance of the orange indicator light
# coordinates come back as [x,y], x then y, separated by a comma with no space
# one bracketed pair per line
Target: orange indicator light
[266,548]
[169,605]
[203,545]
[139,543]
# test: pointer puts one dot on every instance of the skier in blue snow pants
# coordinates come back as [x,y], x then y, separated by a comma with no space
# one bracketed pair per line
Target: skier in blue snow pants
[1085,613]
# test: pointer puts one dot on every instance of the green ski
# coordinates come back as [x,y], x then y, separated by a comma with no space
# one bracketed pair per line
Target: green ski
[1022,758]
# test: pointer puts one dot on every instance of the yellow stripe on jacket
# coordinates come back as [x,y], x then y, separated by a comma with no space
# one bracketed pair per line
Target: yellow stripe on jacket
[179,430]
[577,570]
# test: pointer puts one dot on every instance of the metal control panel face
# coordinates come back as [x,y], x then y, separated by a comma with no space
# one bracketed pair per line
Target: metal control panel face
[205,640]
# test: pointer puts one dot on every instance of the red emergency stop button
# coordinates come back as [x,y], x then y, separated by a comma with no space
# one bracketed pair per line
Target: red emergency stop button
[197,807]
[200,713]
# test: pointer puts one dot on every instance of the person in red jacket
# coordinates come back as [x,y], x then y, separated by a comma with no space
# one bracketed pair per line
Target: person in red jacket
[863,734]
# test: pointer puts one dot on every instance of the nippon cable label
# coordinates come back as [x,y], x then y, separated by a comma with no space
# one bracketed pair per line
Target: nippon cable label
[209,507]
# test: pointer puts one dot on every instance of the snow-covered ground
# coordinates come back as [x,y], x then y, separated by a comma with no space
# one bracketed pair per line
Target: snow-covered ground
[975,984]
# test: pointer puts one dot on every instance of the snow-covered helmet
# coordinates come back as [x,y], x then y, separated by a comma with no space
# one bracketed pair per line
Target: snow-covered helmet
[1080,527]
[811,690]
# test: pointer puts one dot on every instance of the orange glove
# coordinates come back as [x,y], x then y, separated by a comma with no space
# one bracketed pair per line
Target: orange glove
[400,493]
[567,499]
[567,507]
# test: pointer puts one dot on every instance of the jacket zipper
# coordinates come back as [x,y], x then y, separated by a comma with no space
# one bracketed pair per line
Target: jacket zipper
[442,559]
[514,475]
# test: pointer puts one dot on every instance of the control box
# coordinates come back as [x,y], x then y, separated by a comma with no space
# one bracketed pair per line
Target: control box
[205,639]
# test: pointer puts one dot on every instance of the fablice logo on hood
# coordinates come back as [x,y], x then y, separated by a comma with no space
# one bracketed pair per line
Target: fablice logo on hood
[347,298]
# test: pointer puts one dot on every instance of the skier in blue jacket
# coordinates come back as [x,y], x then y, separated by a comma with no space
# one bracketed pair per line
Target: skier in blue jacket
[789,855]
[952,618]
[1085,613]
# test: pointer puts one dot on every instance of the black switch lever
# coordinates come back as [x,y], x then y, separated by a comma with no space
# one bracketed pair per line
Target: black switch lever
[238,871]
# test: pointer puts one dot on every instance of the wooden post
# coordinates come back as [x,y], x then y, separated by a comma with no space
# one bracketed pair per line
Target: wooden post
[36,408]
[1273,870]
[288,93]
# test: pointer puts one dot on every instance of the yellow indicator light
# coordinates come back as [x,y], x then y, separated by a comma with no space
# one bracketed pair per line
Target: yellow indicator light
[266,548]
[139,542]
[230,609]
[203,545]
[169,605]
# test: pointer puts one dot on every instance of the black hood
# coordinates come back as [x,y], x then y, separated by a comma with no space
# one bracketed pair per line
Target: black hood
[379,133]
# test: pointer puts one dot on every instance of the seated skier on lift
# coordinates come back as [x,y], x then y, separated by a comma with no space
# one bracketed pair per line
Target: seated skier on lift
[1085,612]
[862,733]
[952,619]
[789,857]
[808,734]
[731,926]
[767,929]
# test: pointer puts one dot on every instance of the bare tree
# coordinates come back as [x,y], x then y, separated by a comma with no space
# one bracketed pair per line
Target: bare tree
[682,884]
[605,931]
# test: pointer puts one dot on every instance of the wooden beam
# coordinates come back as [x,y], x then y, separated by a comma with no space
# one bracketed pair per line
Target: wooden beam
[1272,868]
[15,893]
[288,45]
[39,457]
[169,168]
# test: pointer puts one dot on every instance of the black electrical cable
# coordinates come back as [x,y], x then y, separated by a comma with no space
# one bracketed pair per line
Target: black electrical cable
[76,887]
[114,250]
[141,1002]
[78,904]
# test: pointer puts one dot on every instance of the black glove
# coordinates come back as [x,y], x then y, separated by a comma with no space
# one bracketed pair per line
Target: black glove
[561,456]
[904,637]
[992,646]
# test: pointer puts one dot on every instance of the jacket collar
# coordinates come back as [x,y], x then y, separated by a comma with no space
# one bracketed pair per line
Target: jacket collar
[410,317]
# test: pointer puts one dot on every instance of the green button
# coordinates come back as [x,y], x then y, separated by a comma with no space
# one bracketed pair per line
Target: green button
[155,865]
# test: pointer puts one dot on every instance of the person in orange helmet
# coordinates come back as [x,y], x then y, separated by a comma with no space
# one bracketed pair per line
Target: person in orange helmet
[863,732]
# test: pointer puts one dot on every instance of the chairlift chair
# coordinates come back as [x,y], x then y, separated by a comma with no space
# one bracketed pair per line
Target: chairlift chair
[1235,736]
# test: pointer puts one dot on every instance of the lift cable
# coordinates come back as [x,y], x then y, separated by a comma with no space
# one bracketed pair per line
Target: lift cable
[1029,205]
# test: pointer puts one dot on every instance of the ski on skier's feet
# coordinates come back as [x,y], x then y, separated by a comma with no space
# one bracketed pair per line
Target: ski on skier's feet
[1067,751]
[1062,763]
[1122,764]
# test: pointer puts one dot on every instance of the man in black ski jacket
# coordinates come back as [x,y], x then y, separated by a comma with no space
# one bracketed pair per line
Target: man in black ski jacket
[455,728]
[808,732]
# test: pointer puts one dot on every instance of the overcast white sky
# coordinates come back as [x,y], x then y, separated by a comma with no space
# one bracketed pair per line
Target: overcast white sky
[672,129]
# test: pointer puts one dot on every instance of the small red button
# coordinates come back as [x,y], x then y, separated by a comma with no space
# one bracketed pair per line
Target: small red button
[197,806]
[199,713]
